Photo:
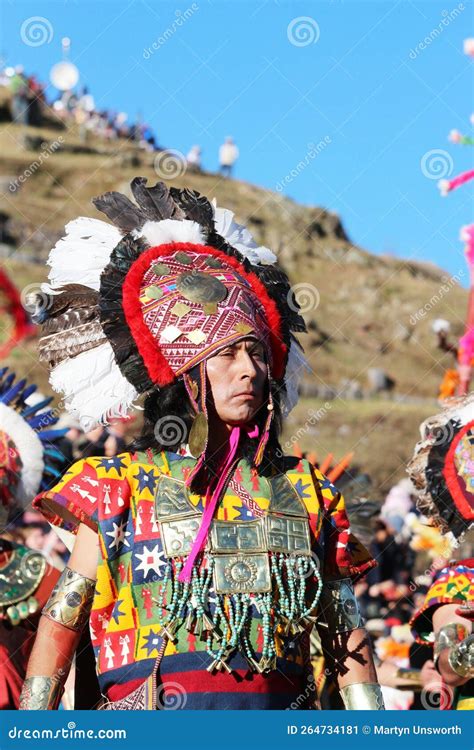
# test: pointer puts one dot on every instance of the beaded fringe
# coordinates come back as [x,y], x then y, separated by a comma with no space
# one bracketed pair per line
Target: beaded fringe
[224,620]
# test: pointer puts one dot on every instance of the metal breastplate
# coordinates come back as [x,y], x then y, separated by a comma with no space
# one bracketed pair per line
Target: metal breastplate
[260,570]
[19,578]
[239,549]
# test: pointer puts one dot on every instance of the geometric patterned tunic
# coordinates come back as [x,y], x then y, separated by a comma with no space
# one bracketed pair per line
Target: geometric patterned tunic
[115,496]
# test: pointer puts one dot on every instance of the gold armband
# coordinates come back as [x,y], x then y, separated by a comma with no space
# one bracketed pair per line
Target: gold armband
[408,679]
[41,694]
[363,696]
[71,600]
[339,607]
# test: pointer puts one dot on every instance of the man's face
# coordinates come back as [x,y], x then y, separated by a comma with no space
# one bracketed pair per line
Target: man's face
[237,376]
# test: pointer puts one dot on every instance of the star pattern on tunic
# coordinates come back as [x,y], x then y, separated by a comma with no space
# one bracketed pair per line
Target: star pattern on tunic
[146,480]
[152,642]
[116,611]
[301,488]
[325,484]
[151,559]
[119,535]
[243,513]
[114,462]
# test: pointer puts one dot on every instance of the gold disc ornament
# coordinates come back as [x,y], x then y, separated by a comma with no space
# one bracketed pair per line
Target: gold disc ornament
[197,286]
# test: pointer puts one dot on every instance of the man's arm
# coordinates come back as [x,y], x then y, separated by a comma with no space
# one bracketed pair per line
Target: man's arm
[347,647]
[59,631]
[454,645]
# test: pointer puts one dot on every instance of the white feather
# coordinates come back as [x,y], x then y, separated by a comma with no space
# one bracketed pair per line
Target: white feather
[465,413]
[67,537]
[82,254]
[295,369]
[170,230]
[93,387]
[30,449]
[239,237]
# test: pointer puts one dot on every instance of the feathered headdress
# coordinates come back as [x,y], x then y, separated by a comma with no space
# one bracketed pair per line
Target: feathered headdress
[133,306]
[30,460]
[442,467]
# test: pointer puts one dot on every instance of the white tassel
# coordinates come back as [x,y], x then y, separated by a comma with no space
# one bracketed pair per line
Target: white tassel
[29,447]
[239,237]
[93,387]
[82,254]
[295,369]
[170,230]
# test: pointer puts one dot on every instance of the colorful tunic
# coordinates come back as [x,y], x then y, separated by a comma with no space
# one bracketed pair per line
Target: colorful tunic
[454,583]
[116,497]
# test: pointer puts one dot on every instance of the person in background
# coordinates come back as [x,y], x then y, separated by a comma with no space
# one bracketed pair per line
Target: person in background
[193,158]
[228,155]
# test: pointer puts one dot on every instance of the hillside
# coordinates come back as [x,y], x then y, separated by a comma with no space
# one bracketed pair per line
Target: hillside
[361,308]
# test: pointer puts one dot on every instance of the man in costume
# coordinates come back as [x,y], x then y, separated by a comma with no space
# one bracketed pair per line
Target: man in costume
[203,557]
[443,472]
[29,461]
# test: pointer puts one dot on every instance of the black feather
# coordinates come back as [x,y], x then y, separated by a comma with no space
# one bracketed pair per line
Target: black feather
[120,210]
[155,202]
[196,207]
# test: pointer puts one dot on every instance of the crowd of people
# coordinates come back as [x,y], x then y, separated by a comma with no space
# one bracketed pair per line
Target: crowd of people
[29,105]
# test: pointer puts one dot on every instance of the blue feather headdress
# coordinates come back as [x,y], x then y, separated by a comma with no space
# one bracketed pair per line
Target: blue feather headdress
[30,458]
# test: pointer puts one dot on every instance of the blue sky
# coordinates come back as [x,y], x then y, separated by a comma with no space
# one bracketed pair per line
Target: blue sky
[364,80]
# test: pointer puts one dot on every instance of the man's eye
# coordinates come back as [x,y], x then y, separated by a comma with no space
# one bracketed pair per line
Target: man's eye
[257,353]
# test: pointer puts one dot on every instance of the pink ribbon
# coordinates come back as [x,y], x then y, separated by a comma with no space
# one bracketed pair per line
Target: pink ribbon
[211,503]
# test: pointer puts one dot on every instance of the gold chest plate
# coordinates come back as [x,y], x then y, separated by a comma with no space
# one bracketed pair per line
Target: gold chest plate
[239,548]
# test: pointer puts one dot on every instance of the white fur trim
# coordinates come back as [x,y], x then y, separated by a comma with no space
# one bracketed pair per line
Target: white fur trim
[29,447]
[239,237]
[82,254]
[295,369]
[170,230]
[93,387]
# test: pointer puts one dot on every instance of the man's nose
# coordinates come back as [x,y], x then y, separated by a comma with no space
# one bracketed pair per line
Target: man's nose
[247,366]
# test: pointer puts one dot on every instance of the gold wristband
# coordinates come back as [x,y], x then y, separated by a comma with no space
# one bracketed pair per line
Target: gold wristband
[71,600]
[339,607]
[449,636]
[461,657]
[408,679]
[363,696]
[40,694]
